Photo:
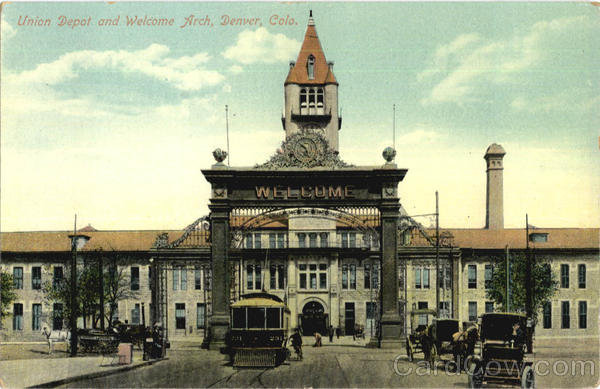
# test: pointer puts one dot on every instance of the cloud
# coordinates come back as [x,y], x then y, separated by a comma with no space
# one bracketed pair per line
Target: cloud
[184,73]
[260,46]
[6,30]
[417,137]
[462,70]
[559,102]
[235,69]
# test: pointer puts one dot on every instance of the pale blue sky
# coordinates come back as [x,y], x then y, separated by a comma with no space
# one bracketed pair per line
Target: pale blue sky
[115,122]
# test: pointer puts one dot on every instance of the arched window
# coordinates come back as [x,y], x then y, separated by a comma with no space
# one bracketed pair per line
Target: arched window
[320,105]
[310,67]
[312,99]
[303,102]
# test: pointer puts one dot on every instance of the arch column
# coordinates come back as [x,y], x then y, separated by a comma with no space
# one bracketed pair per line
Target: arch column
[391,322]
[219,321]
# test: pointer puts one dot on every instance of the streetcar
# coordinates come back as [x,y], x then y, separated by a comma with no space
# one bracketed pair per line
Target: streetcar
[259,331]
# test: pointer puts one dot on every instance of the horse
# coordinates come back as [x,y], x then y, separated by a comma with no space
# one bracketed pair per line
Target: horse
[463,344]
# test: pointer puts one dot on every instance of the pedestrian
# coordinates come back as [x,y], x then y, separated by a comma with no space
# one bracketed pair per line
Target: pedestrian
[338,332]
[296,340]
[330,334]
[317,340]
[47,334]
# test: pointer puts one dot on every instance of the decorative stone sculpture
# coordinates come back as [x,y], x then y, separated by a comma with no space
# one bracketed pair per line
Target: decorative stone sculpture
[389,154]
[219,155]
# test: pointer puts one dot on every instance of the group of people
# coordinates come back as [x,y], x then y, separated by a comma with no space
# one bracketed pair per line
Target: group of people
[296,339]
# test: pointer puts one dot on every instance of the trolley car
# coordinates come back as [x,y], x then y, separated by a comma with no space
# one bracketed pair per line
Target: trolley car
[259,331]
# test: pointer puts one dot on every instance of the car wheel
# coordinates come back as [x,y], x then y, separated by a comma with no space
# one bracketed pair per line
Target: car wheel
[527,378]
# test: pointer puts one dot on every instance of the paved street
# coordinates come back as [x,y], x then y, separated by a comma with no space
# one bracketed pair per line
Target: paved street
[333,366]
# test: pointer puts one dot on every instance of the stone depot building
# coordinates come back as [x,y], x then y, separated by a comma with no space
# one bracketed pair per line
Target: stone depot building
[337,247]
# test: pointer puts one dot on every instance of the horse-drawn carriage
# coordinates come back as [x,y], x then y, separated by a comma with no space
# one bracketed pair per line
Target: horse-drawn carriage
[97,341]
[416,340]
[502,359]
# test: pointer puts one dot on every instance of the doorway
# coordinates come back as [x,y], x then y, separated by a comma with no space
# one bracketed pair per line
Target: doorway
[314,319]
[349,318]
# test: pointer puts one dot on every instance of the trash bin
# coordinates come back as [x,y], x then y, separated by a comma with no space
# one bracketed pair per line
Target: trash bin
[125,353]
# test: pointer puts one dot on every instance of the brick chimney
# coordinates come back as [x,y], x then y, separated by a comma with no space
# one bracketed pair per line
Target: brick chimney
[494,201]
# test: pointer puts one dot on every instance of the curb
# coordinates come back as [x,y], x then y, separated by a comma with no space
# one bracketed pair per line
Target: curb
[97,374]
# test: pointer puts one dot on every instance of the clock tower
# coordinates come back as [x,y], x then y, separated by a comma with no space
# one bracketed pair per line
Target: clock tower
[311,92]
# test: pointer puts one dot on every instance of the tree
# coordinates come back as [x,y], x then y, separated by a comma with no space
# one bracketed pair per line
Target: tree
[7,294]
[116,288]
[544,283]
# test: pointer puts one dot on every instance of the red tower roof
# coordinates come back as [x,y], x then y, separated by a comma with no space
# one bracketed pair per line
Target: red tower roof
[311,46]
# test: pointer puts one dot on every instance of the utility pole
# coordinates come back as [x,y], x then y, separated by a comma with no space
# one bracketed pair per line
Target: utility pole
[73,318]
[507,280]
[528,289]
[437,255]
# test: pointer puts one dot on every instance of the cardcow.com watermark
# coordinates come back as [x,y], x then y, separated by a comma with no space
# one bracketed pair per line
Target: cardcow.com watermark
[542,368]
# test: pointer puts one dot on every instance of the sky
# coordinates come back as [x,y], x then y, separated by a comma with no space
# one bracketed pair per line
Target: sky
[115,122]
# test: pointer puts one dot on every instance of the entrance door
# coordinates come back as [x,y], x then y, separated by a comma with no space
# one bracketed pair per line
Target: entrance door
[349,321]
[313,319]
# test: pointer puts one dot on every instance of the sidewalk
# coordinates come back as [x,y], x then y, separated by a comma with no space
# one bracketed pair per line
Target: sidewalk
[52,372]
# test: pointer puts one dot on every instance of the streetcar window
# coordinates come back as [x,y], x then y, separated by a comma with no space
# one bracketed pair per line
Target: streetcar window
[239,318]
[273,318]
[256,317]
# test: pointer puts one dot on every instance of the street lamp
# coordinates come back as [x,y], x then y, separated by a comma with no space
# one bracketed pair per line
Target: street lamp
[77,242]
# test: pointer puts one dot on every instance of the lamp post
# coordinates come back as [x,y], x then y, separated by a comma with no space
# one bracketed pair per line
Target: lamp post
[77,242]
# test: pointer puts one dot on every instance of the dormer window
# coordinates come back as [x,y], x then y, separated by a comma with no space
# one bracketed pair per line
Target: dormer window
[310,67]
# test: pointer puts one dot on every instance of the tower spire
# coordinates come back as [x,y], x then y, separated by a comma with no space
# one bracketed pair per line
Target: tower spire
[311,21]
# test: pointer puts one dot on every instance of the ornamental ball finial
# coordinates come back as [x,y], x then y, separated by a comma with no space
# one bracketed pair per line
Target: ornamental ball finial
[389,154]
[219,155]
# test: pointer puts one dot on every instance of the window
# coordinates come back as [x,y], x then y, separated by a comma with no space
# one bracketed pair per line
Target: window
[312,240]
[344,236]
[352,239]
[489,306]
[472,310]
[371,308]
[444,279]
[348,239]
[564,276]
[547,313]
[566,318]
[36,317]
[276,240]
[349,276]
[488,276]
[58,276]
[277,276]
[315,274]
[472,276]
[57,316]
[253,277]
[310,67]
[257,240]
[444,309]
[423,318]
[581,276]
[538,237]
[198,278]
[135,314]
[301,240]
[367,281]
[180,316]
[421,278]
[179,278]
[36,277]
[17,317]
[583,314]
[253,241]
[324,237]
[200,315]
[135,278]
[18,277]
[426,278]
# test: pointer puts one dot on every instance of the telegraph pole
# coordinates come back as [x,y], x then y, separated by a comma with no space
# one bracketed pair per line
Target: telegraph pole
[528,289]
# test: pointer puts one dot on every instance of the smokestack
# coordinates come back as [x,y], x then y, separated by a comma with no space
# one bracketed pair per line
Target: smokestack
[494,202]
